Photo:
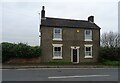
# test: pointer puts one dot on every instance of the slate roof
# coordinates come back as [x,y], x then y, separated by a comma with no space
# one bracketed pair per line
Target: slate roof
[70,23]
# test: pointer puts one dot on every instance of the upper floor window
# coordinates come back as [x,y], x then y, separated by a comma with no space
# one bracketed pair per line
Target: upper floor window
[88,35]
[57,34]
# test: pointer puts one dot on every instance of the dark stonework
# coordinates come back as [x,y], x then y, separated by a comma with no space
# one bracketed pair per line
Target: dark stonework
[70,38]
[72,35]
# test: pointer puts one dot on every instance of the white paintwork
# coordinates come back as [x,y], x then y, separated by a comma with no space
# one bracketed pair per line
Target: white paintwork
[57,39]
[88,45]
[87,40]
[57,45]
[77,76]
[86,35]
[57,57]
[75,47]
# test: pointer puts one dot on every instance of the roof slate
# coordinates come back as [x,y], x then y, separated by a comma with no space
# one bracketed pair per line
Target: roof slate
[59,22]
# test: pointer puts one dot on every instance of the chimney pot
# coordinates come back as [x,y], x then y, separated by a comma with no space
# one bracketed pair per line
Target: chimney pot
[91,18]
[43,12]
[43,7]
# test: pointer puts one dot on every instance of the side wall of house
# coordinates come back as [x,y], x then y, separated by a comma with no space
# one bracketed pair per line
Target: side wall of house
[46,44]
[70,38]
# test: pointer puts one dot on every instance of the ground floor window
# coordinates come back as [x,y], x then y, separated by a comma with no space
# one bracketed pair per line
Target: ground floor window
[57,51]
[88,51]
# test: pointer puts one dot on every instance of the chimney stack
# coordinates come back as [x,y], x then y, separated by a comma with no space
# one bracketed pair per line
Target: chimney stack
[43,12]
[91,18]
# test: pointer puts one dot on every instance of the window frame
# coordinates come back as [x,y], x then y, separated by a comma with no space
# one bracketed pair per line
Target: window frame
[55,38]
[86,38]
[57,45]
[91,47]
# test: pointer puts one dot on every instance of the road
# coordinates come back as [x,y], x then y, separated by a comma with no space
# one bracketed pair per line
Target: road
[61,74]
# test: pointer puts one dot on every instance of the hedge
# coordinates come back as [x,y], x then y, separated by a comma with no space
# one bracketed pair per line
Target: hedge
[109,53]
[20,50]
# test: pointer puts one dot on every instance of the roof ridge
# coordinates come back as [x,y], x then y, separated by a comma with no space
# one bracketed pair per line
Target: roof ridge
[51,21]
[66,19]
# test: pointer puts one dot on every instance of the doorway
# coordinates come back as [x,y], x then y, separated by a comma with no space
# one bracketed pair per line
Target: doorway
[75,54]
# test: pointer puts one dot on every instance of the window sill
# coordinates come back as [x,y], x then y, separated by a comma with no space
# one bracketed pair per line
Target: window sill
[87,40]
[57,39]
[88,57]
[57,58]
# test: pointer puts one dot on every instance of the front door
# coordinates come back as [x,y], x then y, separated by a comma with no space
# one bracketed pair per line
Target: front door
[75,54]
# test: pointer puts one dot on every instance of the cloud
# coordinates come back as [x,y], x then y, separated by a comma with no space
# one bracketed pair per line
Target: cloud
[20,19]
[119,17]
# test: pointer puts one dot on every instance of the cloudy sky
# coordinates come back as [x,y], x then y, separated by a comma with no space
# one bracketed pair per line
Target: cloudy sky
[20,19]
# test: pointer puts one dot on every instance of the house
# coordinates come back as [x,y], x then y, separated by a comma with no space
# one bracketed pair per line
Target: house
[69,40]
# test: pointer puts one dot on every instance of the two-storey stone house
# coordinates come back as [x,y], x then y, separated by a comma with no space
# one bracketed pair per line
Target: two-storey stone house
[69,40]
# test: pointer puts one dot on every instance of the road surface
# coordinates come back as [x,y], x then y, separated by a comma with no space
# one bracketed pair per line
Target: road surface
[61,74]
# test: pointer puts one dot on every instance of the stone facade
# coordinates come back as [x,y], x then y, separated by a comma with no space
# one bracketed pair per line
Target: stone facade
[72,36]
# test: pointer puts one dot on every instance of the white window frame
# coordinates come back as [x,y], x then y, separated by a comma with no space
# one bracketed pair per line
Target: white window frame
[54,38]
[91,46]
[57,45]
[88,35]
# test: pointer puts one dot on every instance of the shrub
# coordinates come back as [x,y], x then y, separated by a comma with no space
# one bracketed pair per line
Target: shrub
[20,50]
[7,51]
[0,53]
[109,53]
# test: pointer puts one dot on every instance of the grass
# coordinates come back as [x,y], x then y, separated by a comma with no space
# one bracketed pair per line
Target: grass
[112,63]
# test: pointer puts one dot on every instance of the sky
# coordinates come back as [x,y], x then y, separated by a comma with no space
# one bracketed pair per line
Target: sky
[20,19]
[119,17]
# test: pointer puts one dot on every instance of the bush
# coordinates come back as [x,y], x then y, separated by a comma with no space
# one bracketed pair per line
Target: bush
[0,53]
[20,50]
[109,53]
[7,51]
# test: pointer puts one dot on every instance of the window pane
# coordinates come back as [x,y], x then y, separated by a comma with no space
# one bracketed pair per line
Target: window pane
[88,54]
[57,30]
[87,32]
[88,37]
[57,33]
[57,52]
[55,48]
[88,48]
[88,51]
[59,48]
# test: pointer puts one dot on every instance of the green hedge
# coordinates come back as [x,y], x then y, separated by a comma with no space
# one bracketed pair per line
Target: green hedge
[109,53]
[20,50]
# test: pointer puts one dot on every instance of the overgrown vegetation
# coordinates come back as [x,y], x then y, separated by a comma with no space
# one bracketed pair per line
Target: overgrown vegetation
[109,53]
[20,50]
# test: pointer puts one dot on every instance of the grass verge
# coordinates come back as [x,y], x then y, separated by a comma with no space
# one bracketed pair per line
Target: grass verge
[112,63]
